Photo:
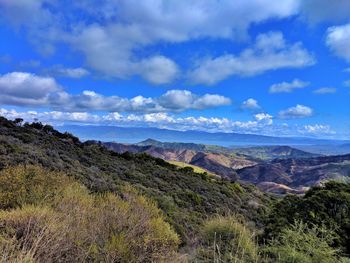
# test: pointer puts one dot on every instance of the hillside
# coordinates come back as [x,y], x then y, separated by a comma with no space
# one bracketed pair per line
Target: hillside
[274,152]
[297,173]
[175,214]
[275,169]
[185,197]
[221,164]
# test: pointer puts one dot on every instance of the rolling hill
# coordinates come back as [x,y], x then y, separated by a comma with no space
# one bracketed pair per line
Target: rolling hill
[299,173]
[185,197]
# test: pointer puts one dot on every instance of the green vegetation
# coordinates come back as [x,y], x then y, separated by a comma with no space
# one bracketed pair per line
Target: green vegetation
[227,239]
[327,206]
[195,168]
[66,201]
[299,243]
[77,226]
[186,198]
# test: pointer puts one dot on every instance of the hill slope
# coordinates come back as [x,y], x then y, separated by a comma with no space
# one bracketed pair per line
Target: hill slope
[185,197]
[221,164]
[298,173]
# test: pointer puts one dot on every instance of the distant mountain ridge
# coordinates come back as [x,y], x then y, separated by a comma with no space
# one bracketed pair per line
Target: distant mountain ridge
[296,173]
[134,135]
[216,159]
[217,163]
[278,169]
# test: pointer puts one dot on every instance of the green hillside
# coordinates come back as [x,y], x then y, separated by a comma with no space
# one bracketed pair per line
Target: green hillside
[186,200]
[62,200]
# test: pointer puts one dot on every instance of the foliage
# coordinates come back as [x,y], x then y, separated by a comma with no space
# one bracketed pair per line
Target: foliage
[227,239]
[76,226]
[186,197]
[29,185]
[303,244]
[327,206]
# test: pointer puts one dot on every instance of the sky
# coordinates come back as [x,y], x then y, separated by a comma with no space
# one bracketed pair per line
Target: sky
[266,67]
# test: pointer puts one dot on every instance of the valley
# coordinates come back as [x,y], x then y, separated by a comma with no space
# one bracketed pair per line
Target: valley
[274,169]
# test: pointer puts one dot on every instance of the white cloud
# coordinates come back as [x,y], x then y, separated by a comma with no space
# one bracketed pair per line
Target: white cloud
[325,90]
[159,120]
[288,86]
[316,129]
[347,70]
[20,88]
[261,125]
[182,99]
[111,34]
[61,71]
[347,83]
[264,117]
[25,89]
[250,104]
[299,111]
[270,52]
[158,70]
[338,40]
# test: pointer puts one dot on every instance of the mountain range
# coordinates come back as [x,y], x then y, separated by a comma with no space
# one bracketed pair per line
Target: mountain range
[277,169]
[136,134]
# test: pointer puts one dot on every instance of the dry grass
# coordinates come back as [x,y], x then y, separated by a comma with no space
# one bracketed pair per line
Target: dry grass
[76,226]
[227,239]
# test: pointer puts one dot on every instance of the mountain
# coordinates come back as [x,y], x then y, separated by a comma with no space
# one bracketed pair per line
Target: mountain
[257,152]
[134,135]
[274,152]
[186,198]
[299,173]
[225,162]
[217,163]
[173,145]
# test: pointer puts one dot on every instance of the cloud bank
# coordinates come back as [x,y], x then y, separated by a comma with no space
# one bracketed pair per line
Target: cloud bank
[26,89]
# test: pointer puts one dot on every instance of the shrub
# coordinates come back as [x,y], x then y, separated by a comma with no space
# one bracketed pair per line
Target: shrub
[29,185]
[30,234]
[327,206]
[76,226]
[300,243]
[227,239]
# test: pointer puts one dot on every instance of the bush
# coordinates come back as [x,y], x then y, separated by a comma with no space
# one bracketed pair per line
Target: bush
[300,243]
[227,239]
[29,185]
[327,206]
[76,226]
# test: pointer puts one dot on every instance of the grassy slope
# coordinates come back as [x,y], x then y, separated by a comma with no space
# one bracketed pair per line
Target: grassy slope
[195,168]
[186,200]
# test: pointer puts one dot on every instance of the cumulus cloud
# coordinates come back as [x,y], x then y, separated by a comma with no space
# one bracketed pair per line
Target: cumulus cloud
[61,71]
[159,120]
[325,90]
[158,70]
[288,86]
[250,104]
[270,52]
[261,125]
[316,129]
[299,111]
[338,40]
[264,118]
[26,89]
[112,34]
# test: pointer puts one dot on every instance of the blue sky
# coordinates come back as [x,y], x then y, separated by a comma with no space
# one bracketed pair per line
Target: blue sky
[258,66]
